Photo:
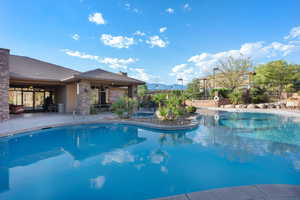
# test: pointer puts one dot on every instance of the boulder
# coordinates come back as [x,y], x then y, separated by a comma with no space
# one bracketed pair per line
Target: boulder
[262,106]
[252,106]
[229,106]
[278,106]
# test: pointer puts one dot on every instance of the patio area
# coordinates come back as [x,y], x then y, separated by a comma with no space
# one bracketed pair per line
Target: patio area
[30,121]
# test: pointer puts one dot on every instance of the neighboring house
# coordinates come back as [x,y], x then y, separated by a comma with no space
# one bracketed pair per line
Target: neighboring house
[30,82]
[218,80]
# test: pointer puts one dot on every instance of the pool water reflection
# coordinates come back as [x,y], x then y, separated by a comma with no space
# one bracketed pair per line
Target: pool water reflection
[111,161]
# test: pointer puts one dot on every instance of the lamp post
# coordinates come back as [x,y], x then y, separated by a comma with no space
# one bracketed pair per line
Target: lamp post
[180,79]
[214,73]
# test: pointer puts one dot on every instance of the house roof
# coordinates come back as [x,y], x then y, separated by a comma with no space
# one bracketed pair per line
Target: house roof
[32,69]
[21,67]
[100,74]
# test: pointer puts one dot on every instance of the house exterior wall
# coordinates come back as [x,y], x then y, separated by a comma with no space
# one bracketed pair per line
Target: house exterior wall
[83,97]
[4,84]
[132,91]
[71,98]
[115,93]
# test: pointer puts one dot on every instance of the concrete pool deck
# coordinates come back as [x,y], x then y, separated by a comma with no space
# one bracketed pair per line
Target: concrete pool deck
[285,112]
[252,192]
[35,121]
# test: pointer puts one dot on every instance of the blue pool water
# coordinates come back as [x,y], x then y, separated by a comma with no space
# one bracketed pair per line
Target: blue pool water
[110,161]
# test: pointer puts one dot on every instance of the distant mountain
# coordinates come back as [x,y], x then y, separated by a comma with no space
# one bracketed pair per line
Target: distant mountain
[159,86]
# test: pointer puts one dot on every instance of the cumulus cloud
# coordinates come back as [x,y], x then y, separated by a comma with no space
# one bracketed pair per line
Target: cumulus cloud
[118,156]
[162,29]
[187,7]
[115,63]
[170,10]
[98,182]
[139,73]
[97,18]
[130,8]
[184,72]
[157,41]
[76,37]
[203,63]
[81,55]
[139,33]
[117,41]
[293,34]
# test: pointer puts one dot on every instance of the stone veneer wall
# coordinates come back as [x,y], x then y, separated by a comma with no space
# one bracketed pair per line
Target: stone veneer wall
[207,103]
[132,91]
[4,84]
[83,98]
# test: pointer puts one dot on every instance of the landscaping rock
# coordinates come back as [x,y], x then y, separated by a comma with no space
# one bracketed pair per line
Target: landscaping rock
[262,106]
[229,106]
[252,106]
[278,106]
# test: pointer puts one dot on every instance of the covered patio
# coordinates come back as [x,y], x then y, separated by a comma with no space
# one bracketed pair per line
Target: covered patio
[31,85]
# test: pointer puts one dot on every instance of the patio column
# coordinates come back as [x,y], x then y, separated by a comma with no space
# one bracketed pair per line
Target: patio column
[4,84]
[83,97]
[132,91]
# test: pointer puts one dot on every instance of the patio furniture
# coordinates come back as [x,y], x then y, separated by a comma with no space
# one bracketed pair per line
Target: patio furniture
[16,109]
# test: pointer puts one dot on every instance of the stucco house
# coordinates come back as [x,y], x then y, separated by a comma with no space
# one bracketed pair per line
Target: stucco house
[30,82]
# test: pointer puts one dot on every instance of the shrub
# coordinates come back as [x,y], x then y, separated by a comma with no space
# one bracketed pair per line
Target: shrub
[258,95]
[124,107]
[191,109]
[223,92]
[169,106]
[236,97]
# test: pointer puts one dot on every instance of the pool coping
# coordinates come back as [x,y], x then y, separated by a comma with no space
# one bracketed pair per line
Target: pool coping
[253,192]
[189,126]
[285,112]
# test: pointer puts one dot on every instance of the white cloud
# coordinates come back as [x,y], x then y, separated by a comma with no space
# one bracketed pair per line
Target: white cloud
[80,54]
[98,182]
[129,7]
[139,33]
[115,63]
[187,7]
[178,68]
[118,156]
[163,29]
[139,73]
[203,63]
[294,33]
[184,72]
[170,10]
[97,18]
[157,41]
[76,36]
[117,41]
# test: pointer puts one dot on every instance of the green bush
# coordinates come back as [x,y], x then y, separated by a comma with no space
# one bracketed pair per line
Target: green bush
[236,97]
[170,106]
[223,92]
[258,95]
[124,107]
[191,109]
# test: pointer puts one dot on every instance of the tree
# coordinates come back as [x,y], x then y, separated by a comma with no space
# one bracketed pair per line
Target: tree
[278,76]
[233,71]
[193,90]
[142,90]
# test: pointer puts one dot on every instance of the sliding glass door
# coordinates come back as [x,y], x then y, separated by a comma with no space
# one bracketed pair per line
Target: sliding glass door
[28,100]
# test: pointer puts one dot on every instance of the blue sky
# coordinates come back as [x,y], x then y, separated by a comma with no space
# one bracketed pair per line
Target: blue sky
[157,40]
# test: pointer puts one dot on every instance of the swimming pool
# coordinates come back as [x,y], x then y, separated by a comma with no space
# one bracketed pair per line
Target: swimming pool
[111,161]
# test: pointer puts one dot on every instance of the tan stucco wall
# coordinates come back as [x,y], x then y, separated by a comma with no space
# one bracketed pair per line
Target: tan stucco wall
[115,93]
[60,95]
[71,97]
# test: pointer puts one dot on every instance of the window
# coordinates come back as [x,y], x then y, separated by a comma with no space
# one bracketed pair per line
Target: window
[95,96]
